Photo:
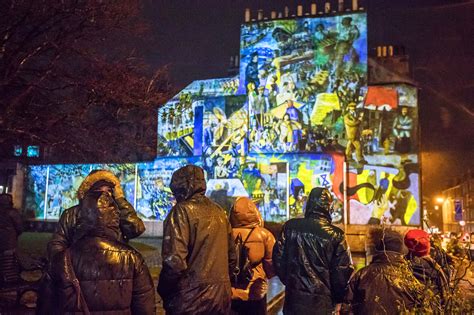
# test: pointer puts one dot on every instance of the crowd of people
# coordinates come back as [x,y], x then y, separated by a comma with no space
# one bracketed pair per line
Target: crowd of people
[214,263]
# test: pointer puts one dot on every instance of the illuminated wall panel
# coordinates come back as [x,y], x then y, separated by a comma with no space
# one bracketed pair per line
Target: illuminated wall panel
[299,108]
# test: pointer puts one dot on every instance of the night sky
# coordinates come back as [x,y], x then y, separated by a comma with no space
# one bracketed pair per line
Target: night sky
[196,39]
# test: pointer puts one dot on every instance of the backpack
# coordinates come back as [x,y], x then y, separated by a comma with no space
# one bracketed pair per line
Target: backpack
[243,272]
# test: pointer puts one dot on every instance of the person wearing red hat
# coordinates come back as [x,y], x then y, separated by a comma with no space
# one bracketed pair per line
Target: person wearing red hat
[424,268]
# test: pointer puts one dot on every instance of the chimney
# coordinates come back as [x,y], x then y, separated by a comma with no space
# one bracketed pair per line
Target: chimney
[287,11]
[390,51]
[299,10]
[247,15]
[236,61]
[273,15]
[384,51]
[355,5]
[260,15]
[327,7]
[340,5]
[313,9]
[379,51]
[280,15]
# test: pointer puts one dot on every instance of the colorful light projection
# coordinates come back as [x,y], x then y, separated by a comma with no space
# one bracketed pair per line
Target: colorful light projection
[277,130]
[299,76]
[383,183]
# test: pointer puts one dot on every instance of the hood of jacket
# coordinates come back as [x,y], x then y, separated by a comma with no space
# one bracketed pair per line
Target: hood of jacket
[99,215]
[187,182]
[244,213]
[319,204]
[93,178]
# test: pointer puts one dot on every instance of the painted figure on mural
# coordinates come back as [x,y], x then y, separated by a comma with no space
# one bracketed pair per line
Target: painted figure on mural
[251,72]
[260,106]
[352,122]
[296,122]
[251,178]
[402,130]
[344,51]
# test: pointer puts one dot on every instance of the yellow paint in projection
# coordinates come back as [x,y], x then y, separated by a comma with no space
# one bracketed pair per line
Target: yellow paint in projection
[305,175]
[325,103]
[411,208]
[366,194]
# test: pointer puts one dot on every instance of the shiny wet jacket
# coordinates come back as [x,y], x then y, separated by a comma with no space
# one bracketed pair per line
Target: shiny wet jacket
[386,286]
[113,276]
[244,217]
[312,259]
[428,272]
[197,250]
[131,225]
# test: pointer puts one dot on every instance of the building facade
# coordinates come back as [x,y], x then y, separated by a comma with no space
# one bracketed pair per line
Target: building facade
[309,108]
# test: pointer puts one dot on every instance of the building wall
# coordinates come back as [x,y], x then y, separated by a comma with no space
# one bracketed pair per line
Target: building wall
[464,192]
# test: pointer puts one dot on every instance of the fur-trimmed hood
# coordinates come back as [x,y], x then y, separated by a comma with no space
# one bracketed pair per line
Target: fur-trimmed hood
[94,177]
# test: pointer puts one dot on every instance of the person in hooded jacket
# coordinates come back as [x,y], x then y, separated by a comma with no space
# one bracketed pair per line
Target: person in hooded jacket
[131,225]
[112,276]
[425,268]
[11,226]
[312,259]
[247,221]
[386,285]
[198,250]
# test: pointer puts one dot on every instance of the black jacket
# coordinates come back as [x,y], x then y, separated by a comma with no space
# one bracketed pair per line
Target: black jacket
[113,276]
[197,251]
[386,286]
[428,272]
[11,227]
[131,226]
[312,259]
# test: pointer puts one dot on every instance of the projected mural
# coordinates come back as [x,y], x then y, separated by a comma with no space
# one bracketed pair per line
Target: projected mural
[35,190]
[382,154]
[299,76]
[297,111]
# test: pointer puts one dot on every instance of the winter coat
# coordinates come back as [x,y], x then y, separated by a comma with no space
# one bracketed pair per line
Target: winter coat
[243,217]
[386,286]
[312,259]
[11,226]
[131,225]
[197,250]
[428,272]
[112,275]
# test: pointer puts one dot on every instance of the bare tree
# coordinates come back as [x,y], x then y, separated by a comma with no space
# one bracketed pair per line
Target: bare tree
[71,79]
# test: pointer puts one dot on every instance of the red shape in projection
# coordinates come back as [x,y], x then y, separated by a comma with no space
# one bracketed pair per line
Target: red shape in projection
[380,98]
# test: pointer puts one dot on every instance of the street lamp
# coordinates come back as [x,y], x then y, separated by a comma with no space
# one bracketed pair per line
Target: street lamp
[439,199]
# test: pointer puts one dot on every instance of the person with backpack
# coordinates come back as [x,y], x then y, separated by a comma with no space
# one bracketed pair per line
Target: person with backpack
[99,274]
[254,246]
[312,259]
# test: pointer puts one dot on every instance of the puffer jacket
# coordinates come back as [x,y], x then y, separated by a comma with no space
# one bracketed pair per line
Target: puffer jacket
[113,276]
[11,225]
[244,217]
[428,272]
[312,259]
[131,225]
[386,286]
[197,251]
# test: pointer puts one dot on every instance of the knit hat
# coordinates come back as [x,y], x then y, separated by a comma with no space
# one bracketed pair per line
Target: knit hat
[418,242]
